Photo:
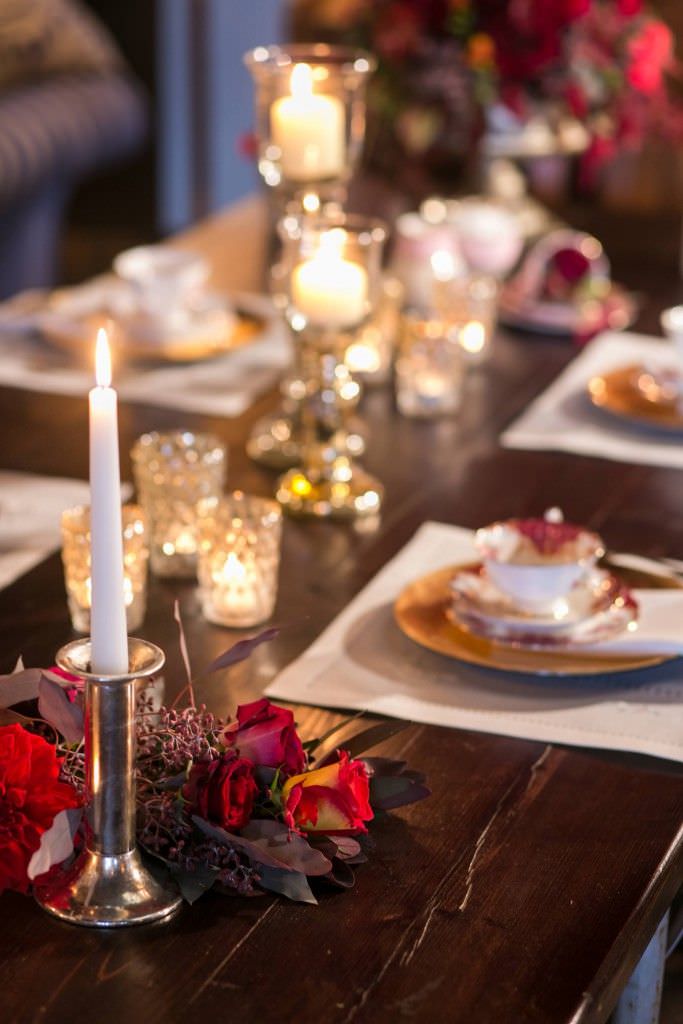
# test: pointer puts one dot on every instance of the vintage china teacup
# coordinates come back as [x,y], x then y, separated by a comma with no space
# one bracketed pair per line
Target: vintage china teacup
[536,562]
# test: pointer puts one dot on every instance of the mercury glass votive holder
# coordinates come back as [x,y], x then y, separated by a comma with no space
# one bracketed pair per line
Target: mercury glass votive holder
[239,558]
[173,472]
[429,370]
[76,560]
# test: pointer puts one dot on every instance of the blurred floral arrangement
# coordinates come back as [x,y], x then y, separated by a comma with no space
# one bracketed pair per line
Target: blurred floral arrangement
[446,65]
[241,805]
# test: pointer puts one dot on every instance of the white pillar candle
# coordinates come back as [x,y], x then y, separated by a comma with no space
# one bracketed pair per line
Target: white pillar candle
[109,637]
[328,290]
[309,130]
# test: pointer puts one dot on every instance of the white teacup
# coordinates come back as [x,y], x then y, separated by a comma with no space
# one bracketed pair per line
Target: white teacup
[536,562]
[164,281]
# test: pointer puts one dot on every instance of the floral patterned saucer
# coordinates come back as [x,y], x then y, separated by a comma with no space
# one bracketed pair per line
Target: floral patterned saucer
[596,609]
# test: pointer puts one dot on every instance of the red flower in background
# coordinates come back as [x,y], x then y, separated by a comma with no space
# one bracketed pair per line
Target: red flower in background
[31,795]
[266,734]
[222,791]
[650,53]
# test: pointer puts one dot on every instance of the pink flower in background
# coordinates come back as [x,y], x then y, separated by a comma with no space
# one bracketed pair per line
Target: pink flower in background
[650,51]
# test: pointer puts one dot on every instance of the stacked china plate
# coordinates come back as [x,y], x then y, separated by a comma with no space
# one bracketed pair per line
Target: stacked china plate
[542,599]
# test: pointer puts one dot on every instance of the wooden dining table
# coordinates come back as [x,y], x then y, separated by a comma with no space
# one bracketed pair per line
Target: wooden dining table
[530,883]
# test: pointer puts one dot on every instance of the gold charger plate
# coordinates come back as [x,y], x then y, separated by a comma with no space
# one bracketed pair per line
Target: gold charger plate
[76,337]
[421,612]
[616,392]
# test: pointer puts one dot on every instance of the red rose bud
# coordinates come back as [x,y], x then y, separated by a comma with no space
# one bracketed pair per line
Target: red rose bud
[222,791]
[266,734]
[334,799]
[31,795]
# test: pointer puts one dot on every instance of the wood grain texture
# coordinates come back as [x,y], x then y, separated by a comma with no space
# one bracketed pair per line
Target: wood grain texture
[523,891]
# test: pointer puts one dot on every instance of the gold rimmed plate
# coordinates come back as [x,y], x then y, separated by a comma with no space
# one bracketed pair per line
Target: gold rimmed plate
[630,393]
[423,613]
[213,331]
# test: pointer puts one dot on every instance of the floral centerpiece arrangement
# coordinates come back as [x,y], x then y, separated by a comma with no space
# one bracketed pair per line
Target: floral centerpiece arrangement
[242,805]
[450,68]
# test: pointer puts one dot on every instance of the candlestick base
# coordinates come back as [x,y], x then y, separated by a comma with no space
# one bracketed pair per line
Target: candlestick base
[107,892]
[107,886]
[341,490]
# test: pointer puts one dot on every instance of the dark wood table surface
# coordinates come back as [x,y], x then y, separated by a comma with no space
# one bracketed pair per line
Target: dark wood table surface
[571,856]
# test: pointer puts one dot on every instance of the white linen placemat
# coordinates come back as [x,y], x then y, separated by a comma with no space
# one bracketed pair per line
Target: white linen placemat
[563,419]
[30,512]
[363,661]
[225,386]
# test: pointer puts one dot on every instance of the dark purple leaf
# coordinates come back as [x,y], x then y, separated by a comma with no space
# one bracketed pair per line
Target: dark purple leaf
[388,792]
[291,884]
[341,875]
[241,650]
[193,884]
[56,708]
[19,686]
[57,843]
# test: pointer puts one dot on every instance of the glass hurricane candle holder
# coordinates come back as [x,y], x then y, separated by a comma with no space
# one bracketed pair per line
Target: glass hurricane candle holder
[239,557]
[173,472]
[310,114]
[469,302]
[76,560]
[370,353]
[331,285]
[429,369]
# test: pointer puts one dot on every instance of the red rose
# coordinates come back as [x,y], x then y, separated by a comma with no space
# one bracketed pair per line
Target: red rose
[334,799]
[31,795]
[629,8]
[222,791]
[265,733]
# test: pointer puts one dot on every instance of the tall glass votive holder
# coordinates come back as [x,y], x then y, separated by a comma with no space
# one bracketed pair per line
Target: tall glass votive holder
[173,472]
[429,370]
[76,560]
[239,558]
[310,115]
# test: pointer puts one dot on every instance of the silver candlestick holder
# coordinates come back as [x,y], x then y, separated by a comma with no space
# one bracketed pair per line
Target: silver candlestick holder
[107,886]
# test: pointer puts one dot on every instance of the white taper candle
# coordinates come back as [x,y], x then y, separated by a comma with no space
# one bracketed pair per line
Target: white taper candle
[108,612]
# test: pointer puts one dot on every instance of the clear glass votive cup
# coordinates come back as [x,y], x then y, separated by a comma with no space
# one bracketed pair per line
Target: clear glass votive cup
[471,303]
[76,560]
[239,558]
[173,472]
[429,370]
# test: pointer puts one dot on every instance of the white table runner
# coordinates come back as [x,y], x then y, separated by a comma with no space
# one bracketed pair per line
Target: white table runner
[30,512]
[225,386]
[363,661]
[562,418]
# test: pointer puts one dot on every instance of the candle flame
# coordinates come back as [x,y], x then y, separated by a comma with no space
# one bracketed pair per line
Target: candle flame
[102,360]
[301,81]
[332,242]
[473,337]
[443,265]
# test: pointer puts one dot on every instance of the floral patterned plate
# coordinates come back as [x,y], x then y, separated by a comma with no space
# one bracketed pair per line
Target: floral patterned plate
[422,612]
[596,609]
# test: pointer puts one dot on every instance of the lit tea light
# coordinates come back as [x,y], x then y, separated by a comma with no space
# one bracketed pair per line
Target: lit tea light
[309,130]
[473,340]
[363,357]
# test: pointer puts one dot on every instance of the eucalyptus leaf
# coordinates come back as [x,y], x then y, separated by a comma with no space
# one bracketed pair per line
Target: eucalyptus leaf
[241,650]
[56,708]
[293,851]
[341,875]
[388,792]
[19,686]
[193,884]
[292,884]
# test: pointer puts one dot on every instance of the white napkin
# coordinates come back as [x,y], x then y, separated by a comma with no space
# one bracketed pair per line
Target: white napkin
[30,512]
[563,419]
[363,661]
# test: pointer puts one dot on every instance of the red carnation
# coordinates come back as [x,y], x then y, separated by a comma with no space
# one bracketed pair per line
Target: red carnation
[222,791]
[31,795]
